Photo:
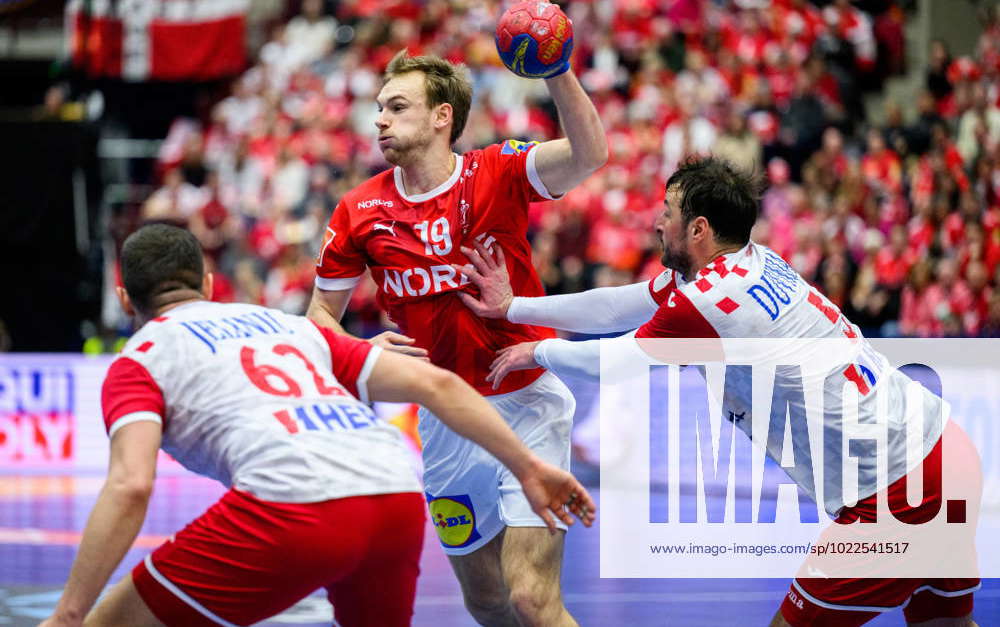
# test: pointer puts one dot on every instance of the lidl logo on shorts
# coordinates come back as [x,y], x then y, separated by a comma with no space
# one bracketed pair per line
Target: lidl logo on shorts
[514,147]
[454,520]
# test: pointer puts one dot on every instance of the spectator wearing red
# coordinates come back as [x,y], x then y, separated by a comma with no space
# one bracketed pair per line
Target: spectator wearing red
[976,314]
[213,223]
[318,111]
[894,262]
[991,327]
[955,226]
[917,317]
[855,27]
[288,285]
[949,296]
[798,19]
[845,225]
[747,36]
[780,74]
[880,166]
[806,253]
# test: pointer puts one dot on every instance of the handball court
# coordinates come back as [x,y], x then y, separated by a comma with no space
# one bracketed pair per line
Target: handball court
[43,513]
[42,516]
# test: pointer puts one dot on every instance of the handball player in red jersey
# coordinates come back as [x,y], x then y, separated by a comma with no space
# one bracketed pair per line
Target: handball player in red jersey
[408,226]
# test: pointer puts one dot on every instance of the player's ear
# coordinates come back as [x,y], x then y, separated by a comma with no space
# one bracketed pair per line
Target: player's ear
[443,115]
[206,285]
[704,229]
[124,301]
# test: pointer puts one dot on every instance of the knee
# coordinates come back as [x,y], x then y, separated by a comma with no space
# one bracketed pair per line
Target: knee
[488,607]
[536,602]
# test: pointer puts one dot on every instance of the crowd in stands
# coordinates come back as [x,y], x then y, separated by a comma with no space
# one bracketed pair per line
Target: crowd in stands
[899,223]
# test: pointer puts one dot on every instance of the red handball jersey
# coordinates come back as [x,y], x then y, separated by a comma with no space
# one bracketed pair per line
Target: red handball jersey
[409,242]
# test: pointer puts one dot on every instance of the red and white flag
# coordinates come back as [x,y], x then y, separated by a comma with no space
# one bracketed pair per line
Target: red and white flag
[139,40]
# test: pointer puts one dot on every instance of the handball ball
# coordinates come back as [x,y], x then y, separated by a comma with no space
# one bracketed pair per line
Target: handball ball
[535,39]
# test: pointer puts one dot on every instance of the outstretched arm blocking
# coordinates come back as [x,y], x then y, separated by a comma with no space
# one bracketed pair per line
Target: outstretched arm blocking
[601,310]
[550,490]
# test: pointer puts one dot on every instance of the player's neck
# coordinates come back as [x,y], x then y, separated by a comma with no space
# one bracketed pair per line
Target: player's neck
[427,172]
[711,255]
[170,300]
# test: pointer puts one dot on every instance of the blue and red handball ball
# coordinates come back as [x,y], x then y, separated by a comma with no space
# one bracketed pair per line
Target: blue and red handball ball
[535,39]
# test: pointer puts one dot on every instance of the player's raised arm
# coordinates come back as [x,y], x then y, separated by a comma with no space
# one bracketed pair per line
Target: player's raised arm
[600,310]
[563,163]
[549,490]
[115,521]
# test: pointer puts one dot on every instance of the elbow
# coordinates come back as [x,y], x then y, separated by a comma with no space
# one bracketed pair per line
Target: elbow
[437,385]
[602,153]
[599,152]
[443,381]
[315,310]
[597,156]
[138,490]
[133,489]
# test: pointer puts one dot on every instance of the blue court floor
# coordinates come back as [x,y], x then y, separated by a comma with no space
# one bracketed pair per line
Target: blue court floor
[42,516]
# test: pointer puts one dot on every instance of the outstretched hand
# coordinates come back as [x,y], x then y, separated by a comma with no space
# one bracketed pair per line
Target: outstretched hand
[553,491]
[517,357]
[489,274]
[399,343]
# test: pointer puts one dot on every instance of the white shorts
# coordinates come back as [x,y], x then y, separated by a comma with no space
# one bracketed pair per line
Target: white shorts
[471,495]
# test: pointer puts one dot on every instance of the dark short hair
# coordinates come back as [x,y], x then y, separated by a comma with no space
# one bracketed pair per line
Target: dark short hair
[160,258]
[443,82]
[726,196]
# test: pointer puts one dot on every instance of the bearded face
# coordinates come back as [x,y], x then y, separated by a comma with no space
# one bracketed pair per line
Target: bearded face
[676,257]
[672,233]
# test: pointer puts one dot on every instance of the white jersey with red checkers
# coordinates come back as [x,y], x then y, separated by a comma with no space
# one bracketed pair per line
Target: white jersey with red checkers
[754,293]
[661,286]
[260,400]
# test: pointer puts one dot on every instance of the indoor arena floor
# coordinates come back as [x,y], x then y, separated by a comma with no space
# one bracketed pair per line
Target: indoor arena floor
[42,517]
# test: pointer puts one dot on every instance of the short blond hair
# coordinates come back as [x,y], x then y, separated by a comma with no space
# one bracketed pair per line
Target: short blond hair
[444,82]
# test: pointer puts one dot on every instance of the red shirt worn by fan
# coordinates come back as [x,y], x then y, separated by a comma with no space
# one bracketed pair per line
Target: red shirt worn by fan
[409,242]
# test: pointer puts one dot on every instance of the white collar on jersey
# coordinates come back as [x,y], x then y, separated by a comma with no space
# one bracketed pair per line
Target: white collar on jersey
[397,175]
[736,254]
[741,252]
